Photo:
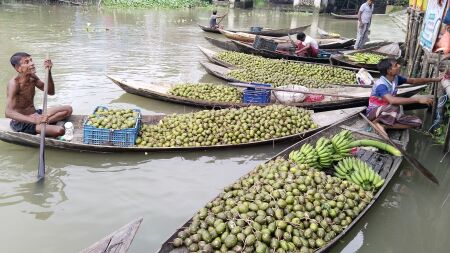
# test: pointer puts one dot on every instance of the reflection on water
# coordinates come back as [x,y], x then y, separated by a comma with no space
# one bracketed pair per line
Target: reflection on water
[86,196]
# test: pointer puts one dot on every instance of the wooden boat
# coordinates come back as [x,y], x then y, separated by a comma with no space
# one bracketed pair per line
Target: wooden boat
[322,119]
[160,92]
[341,60]
[211,55]
[385,165]
[223,44]
[344,16]
[119,241]
[278,54]
[265,32]
[285,42]
[329,103]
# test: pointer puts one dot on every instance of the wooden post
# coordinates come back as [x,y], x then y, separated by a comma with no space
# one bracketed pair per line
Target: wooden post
[447,138]
[425,65]
[408,31]
[436,87]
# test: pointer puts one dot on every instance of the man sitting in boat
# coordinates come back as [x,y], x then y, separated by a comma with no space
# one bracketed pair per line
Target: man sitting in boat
[213,20]
[20,99]
[306,46]
[384,105]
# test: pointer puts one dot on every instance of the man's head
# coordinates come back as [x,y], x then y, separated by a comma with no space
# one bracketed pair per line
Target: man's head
[301,36]
[370,2]
[23,63]
[388,67]
[214,12]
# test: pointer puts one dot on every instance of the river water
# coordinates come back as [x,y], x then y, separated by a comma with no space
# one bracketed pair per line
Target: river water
[87,196]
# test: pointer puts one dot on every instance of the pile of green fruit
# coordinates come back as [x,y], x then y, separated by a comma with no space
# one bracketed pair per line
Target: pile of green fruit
[226,126]
[365,58]
[115,119]
[279,207]
[252,68]
[207,91]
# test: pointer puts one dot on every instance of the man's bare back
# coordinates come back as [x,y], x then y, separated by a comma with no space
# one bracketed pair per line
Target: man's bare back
[20,99]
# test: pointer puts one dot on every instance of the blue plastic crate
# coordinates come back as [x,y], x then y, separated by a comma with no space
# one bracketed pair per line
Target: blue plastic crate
[261,43]
[257,96]
[101,136]
[256,29]
[323,54]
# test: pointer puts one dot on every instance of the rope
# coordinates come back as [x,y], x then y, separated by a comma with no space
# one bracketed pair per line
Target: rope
[441,102]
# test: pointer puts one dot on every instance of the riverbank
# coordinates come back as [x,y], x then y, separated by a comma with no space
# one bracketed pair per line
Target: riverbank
[174,4]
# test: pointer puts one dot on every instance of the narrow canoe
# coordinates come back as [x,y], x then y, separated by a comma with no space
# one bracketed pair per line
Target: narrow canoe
[212,57]
[119,241]
[223,44]
[341,60]
[385,165]
[249,49]
[329,103]
[342,43]
[322,119]
[160,92]
[344,16]
[265,32]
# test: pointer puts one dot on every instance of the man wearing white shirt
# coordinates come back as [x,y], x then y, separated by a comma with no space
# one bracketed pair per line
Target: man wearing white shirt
[364,21]
[306,45]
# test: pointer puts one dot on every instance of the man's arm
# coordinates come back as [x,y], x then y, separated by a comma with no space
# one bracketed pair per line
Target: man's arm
[13,114]
[420,81]
[304,48]
[404,101]
[51,85]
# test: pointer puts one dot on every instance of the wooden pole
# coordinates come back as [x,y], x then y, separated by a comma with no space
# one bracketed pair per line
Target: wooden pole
[435,87]
[447,138]
[408,31]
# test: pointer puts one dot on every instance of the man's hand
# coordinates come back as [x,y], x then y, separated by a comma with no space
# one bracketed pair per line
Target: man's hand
[426,101]
[39,119]
[48,64]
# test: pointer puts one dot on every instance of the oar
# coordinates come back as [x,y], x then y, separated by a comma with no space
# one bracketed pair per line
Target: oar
[413,161]
[41,168]
[293,91]
[223,17]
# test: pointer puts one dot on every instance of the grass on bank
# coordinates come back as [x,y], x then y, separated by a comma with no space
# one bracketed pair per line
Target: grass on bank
[155,3]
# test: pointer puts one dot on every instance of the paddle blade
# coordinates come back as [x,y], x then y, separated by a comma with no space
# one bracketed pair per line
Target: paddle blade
[41,166]
[414,162]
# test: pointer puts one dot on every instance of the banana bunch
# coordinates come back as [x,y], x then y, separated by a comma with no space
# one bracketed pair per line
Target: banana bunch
[306,155]
[325,150]
[358,172]
[341,144]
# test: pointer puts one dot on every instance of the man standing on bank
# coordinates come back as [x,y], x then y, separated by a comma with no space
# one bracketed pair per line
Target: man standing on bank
[20,99]
[364,21]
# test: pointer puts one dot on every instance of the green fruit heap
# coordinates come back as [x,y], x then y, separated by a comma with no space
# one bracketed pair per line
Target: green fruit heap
[307,155]
[342,144]
[358,172]
[279,207]
[365,58]
[113,118]
[252,68]
[209,92]
[227,126]
[325,150]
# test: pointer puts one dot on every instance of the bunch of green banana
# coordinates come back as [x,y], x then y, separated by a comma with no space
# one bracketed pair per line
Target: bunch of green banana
[358,172]
[366,58]
[306,155]
[341,144]
[325,150]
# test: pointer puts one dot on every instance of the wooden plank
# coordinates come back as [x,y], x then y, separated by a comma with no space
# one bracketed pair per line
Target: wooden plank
[118,242]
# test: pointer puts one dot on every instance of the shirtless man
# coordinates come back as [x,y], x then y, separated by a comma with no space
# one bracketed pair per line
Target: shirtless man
[20,99]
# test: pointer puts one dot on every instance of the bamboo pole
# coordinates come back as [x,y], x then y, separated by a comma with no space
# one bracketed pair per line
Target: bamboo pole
[447,138]
[436,87]
[408,31]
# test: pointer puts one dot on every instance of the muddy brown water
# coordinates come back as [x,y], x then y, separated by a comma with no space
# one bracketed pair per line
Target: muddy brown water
[86,196]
